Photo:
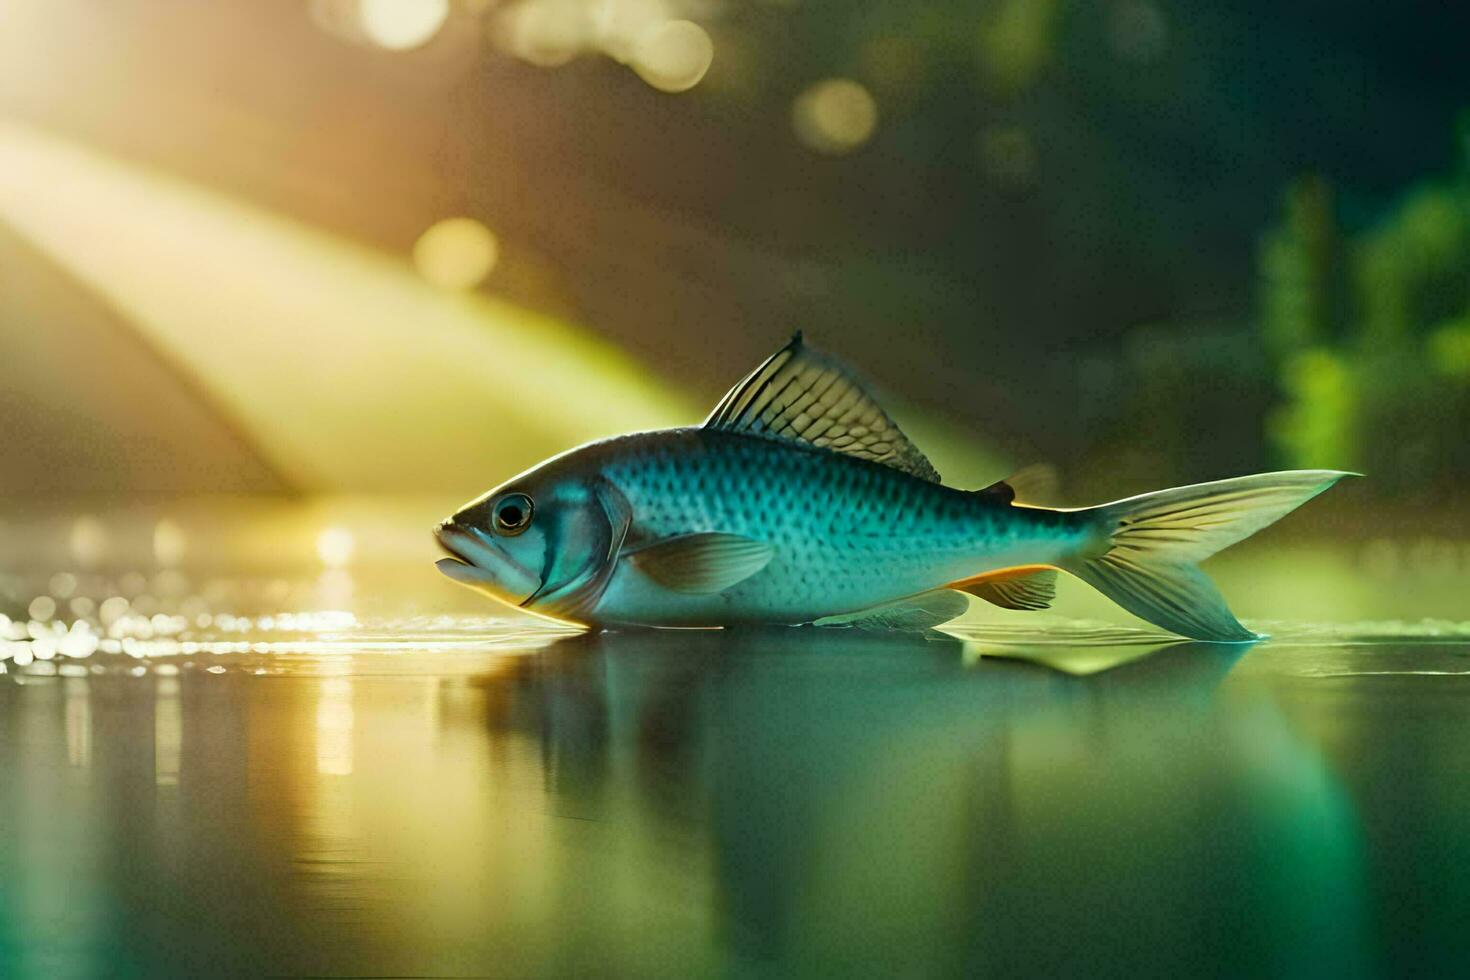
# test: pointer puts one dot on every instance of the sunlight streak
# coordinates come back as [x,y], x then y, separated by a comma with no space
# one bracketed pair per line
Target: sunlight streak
[426,387]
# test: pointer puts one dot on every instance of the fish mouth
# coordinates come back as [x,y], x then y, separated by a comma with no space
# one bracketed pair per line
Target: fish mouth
[478,562]
[453,539]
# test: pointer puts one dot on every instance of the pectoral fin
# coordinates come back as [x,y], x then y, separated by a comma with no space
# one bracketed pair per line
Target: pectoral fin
[1023,587]
[702,564]
[915,613]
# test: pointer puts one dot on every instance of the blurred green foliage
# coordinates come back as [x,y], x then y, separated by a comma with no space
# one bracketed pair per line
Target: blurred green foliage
[1357,356]
[1368,334]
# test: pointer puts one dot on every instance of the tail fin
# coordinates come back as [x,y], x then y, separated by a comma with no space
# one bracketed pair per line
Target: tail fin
[1146,561]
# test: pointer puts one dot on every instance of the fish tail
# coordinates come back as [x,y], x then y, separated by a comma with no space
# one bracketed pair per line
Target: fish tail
[1145,558]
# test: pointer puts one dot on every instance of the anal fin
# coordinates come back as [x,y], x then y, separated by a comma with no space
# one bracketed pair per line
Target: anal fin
[1023,587]
[914,613]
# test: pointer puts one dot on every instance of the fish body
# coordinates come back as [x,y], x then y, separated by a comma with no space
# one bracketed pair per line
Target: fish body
[846,533]
[800,501]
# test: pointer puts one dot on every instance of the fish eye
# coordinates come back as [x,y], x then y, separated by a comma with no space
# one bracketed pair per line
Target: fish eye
[512,513]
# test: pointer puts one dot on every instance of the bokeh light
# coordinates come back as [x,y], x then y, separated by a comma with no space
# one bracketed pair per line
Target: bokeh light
[545,33]
[334,546]
[42,608]
[62,585]
[456,253]
[112,609]
[394,25]
[400,25]
[169,543]
[621,25]
[670,54]
[674,56]
[834,116]
[88,541]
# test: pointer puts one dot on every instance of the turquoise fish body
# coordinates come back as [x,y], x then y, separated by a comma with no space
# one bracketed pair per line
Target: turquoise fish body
[846,534]
[800,501]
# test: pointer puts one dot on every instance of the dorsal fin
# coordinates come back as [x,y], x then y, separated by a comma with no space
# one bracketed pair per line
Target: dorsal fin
[806,397]
[1000,491]
[1034,486]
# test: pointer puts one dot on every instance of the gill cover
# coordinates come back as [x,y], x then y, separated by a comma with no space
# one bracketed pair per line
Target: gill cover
[584,534]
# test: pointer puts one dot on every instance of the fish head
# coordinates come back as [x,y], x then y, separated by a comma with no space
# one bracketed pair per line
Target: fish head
[546,541]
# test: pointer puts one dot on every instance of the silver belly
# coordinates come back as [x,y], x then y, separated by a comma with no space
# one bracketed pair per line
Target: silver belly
[790,592]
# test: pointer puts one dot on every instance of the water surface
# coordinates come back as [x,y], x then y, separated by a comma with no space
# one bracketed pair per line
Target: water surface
[343,771]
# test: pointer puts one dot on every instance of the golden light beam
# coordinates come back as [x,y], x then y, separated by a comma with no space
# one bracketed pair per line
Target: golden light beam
[348,370]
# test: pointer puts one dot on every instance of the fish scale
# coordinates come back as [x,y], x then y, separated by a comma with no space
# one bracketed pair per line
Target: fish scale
[847,533]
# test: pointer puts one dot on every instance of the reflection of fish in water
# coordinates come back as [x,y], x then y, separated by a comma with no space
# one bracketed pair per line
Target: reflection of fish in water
[798,501]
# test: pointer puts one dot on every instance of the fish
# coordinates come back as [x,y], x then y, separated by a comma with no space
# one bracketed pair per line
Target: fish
[799,501]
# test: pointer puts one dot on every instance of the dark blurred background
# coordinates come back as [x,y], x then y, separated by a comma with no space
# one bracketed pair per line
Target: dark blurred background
[390,245]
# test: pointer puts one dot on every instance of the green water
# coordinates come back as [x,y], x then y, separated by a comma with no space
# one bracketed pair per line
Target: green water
[282,790]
